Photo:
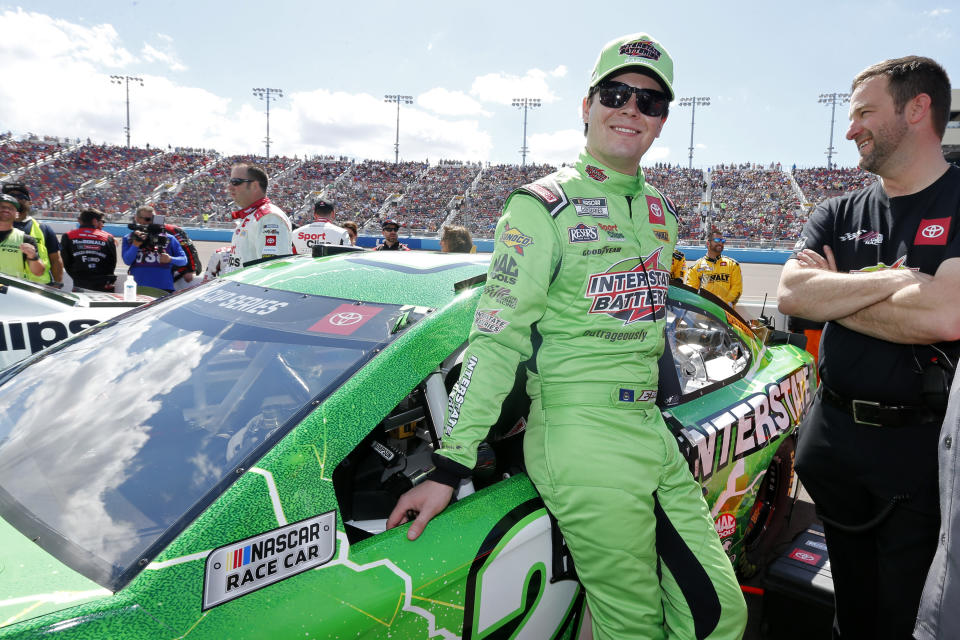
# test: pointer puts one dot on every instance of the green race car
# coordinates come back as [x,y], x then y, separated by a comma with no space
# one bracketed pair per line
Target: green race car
[221,463]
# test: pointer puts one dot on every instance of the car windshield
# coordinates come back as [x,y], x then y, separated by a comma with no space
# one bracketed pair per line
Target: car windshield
[114,443]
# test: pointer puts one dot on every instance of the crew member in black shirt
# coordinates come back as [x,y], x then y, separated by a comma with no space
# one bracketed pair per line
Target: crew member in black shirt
[882,267]
[90,253]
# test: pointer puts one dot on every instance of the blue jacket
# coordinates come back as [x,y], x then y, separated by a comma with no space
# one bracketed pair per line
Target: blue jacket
[145,266]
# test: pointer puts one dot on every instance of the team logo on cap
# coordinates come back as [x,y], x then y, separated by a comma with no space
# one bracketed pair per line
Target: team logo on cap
[640,49]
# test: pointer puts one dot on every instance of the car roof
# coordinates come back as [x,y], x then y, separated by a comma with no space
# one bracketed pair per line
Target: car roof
[394,277]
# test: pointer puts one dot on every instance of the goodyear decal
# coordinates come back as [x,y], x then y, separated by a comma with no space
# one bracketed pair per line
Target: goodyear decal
[748,426]
[515,239]
[242,567]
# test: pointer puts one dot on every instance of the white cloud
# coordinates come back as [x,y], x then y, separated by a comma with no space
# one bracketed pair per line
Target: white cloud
[502,88]
[559,72]
[57,60]
[165,54]
[935,13]
[451,103]
[557,147]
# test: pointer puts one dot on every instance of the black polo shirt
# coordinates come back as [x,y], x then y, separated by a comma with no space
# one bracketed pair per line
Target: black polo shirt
[868,230]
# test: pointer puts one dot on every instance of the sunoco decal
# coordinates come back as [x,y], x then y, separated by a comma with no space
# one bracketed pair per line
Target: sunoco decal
[515,239]
[748,426]
[242,567]
[593,207]
[583,233]
[631,290]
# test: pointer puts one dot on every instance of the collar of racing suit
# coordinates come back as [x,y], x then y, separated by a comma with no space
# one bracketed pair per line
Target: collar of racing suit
[613,182]
[243,213]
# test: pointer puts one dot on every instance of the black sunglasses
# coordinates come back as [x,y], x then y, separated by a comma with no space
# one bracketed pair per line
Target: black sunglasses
[614,95]
[239,181]
[391,228]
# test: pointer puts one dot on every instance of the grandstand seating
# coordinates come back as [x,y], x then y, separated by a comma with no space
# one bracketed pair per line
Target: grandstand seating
[748,201]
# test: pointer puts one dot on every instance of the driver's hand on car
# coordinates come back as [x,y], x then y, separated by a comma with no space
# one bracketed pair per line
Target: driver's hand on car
[427,499]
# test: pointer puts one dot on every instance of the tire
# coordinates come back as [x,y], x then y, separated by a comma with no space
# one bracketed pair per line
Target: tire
[771,509]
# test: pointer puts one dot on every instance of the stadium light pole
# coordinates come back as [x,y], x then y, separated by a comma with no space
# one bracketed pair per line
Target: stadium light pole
[264,93]
[832,99]
[525,104]
[126,80]
[703,101]
[399,100]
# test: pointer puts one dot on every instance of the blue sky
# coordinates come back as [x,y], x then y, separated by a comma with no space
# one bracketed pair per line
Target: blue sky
[763,64]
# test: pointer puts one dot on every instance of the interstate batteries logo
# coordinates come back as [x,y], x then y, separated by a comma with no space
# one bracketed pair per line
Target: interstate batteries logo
[241,567]
[631,290]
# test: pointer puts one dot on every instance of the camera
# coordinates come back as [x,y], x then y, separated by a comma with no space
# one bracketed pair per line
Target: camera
[156,238]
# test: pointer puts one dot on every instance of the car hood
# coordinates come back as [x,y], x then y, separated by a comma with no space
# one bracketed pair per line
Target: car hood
[33,582]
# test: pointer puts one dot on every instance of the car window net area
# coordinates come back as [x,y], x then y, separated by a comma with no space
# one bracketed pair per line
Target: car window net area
[110,441]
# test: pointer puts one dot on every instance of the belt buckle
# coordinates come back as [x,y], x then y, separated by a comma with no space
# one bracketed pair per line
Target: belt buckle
[864,403]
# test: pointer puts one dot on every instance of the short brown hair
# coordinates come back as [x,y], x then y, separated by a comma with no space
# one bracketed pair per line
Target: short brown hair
[255,172]
[145,208]
[909,77]
[87,216]
[457,239]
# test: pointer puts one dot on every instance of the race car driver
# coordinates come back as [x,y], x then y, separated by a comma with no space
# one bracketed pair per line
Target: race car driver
[391,238]
[717,273]
[263,229]
[586,252]
[323,230]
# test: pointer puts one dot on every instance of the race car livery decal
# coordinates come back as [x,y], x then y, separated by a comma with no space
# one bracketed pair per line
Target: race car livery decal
[237,302]
[345,319]
[504,269]
[515,239]
[515,586]
[805,556]
[245,566]
[37,336]
[583,233]
[631,290]
[487,321]
[593,207]
[458,393]
[726,525]
[747,426]
[500,294]
[613,234]
[933,232]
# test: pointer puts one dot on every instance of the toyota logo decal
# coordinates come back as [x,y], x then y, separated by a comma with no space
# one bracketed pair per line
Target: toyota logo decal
[932,231]
[346,318]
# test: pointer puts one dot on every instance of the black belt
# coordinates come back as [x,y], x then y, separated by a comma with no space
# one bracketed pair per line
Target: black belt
[877,414]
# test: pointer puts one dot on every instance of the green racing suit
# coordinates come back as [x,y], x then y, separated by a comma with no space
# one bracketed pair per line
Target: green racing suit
[576,291]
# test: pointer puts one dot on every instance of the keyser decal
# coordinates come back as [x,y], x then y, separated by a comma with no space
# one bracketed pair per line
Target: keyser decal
[242,567]
[583,233]
[739,430]
[934,231]
[631,290]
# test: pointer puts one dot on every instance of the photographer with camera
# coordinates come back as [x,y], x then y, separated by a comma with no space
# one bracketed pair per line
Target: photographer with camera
[151,252]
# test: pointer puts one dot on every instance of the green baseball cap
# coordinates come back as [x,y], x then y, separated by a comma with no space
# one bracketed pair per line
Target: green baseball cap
[636,50]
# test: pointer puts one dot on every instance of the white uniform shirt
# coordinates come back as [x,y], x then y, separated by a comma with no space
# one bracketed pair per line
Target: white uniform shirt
[263,229]
[321,231]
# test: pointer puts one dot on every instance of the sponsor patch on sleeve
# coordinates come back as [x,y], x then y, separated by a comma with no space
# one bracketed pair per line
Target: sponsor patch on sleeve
[515,239]
[933,232]
[242,567]
[487,321]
